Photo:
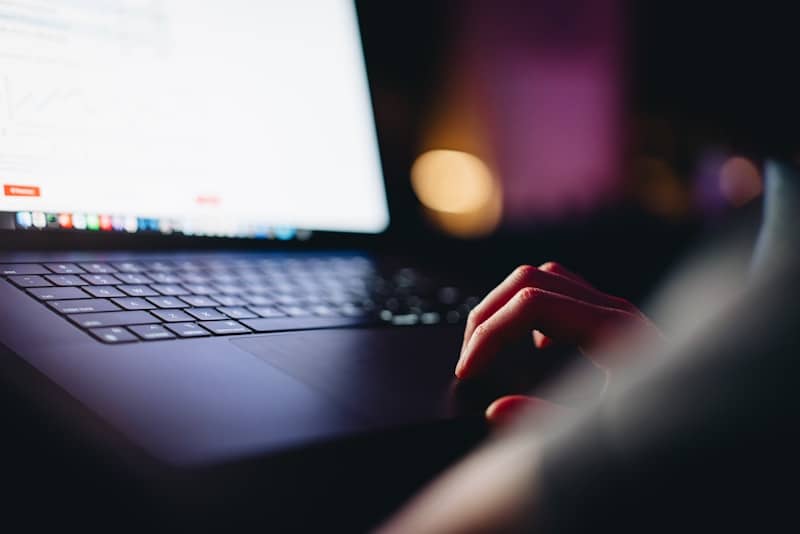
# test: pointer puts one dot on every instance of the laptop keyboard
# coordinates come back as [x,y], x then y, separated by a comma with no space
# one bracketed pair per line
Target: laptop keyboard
[121,302]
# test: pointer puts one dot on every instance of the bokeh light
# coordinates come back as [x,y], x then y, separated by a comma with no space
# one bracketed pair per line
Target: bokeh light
[740,181]
[459,190]
[451,181]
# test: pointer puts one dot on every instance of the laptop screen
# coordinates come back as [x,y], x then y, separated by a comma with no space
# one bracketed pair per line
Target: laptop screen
[243,118]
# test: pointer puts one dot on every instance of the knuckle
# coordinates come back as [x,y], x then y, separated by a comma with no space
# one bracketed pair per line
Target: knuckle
[524,272]
[550,266]
[481,331]
[528,294]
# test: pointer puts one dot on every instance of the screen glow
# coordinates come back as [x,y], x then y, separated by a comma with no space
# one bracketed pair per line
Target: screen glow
[212,114]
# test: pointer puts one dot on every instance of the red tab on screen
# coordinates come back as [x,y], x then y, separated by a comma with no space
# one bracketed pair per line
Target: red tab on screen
[207,200]
[21,190]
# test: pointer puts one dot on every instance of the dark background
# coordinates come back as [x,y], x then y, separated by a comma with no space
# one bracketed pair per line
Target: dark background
[694,78]
[699,81]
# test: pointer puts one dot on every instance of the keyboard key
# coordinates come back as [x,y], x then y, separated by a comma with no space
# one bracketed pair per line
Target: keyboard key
[336,298]
[172,316]
[187,266]
[229,300]
[310,298]
[222,328]
[100,279]
[296,311]
[167,302]
[134,278]
[58,293]
[302,323]
[66,280]
[98,268]
[170,290]
[7,269]
[164,278]
[199,289]
[229,289]
[288,300]
[323,311]
[267,311]
[193,278]
[259,300]
[113,335]
[129,267]
[83,305]
[160,266]
[349,310]
[406,319]
[430,318]
[199,301]
[29,281]
[134,303]
[151,332]
[121,318]
[259,289]
[223,277]
[188,329]
[237,313]
[138,291]
[104,291]
[206,314]
[64,268]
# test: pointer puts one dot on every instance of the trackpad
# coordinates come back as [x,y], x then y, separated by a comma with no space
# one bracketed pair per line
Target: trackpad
[384,375]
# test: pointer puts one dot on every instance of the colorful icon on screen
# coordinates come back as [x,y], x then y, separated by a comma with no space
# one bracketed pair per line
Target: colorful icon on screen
[284,233]
[105,222]
[165,226]
[79,221]
[131,224]
[38,219]
[148,225]
[92,222]
[65,220]
[118,223]
[24,219]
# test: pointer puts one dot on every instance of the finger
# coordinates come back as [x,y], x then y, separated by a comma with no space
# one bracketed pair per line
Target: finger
[540,340]
[557,268]
[527,276]
[508,408]
[555,315]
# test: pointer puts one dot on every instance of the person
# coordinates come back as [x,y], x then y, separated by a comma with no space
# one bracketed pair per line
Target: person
[699,437]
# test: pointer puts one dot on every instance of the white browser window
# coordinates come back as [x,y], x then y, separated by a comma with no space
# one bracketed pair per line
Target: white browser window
[217,113]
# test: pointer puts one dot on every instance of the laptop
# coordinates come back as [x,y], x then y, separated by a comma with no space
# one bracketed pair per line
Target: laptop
[168,172]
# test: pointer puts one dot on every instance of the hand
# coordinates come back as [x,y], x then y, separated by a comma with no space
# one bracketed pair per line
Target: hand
[554,305]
